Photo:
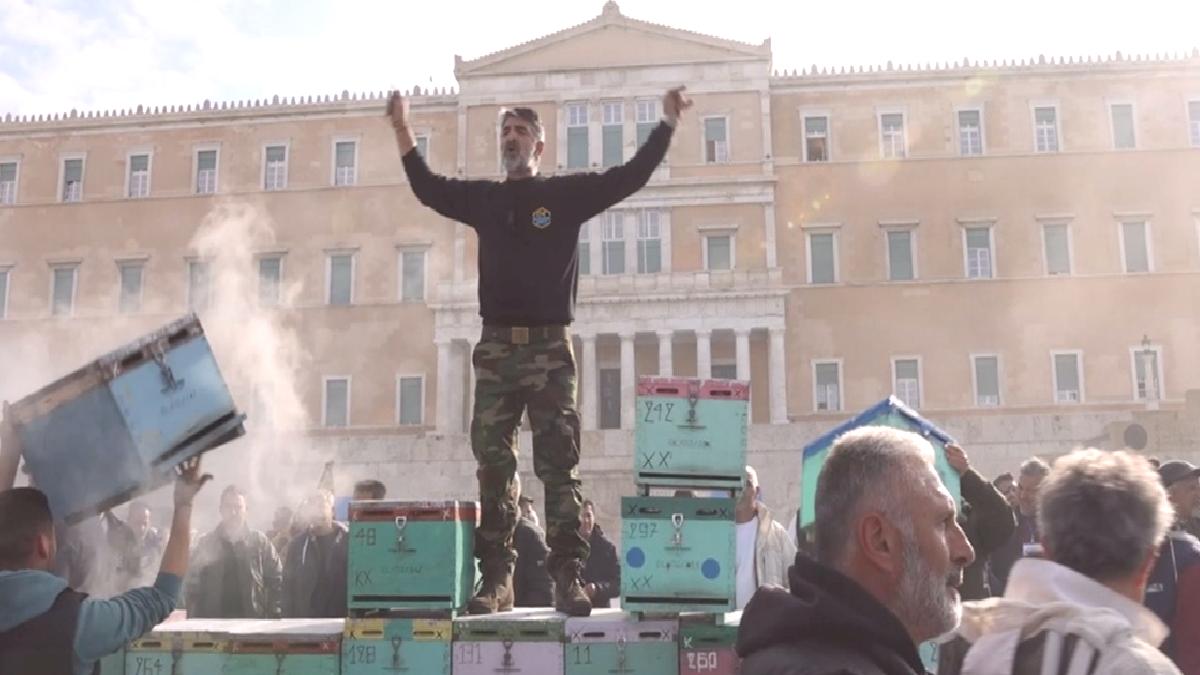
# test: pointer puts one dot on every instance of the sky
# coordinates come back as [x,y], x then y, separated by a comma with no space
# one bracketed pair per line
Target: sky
[58,55]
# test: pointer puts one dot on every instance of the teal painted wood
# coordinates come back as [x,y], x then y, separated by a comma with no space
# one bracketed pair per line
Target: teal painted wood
[690,432]
[170,657]
[113,664]
[677,554]
[411,555]
[707,647]
[286,647]
[396,646]
[520,642]
[116,427]
[613,642]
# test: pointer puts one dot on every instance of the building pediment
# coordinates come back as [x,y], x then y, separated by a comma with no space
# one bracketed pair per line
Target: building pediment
[611,40]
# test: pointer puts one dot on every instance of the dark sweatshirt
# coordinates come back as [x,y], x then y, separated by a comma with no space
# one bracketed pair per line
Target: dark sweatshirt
[529,229]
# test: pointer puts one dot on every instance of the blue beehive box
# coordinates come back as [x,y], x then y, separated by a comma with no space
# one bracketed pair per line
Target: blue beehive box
[690,432]
[113,664]
[191,647]
[116,427]
[890,412]
[520,642]
[612,642]
[286,647]
[411,555]
[396,645]
[678,554]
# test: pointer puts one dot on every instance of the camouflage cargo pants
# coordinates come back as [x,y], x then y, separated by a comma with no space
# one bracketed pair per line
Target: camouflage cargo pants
[510,378]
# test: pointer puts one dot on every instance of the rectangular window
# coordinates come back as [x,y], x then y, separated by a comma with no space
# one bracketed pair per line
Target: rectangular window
[816,138]
[423,145]
[907,381]
[62,300]
[1045,128]
[1057,240]
[341,279]
[585,248]
[410,394]
[1068,383]
[345,163]
[577,135]
[649,242]
[822,258]
[131,287]
[275,172]
[978,241]
[901,265]
[139,176]
[198,285]
[1124,135]
[1194,122]
[412,276]
[613,236]
[827,385]
[718,250]
[1147,373]
[987,381]
[270,280]
[614,125]
[8,182]
[891,136]
[724,371]
[647,119]
[206,172]
[1135,247]
[337,402]
[970,132]
[72,187]
[716,140]
[3,293]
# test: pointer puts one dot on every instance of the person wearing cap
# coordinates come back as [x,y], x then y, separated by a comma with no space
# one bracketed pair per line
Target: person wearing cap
[1173,591]
[527,511]
[528,231]
[532,585]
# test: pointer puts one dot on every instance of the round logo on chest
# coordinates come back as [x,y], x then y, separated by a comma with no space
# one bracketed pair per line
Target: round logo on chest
[541,217]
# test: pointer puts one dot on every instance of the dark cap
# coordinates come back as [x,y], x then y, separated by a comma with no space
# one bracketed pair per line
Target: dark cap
[1176,470]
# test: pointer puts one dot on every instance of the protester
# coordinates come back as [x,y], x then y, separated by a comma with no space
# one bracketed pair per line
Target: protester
[602,569]
[236,572]
[316,563]
[764,550]
[135,545]
[532,585]
[1024,540]
[986,518]
[527,511]
[1173,590]
[49,628]
[283,528]
[1102,517]
[1007,485]
[889,561]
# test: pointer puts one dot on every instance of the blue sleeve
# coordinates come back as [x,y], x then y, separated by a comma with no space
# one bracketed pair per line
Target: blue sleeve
[108,625]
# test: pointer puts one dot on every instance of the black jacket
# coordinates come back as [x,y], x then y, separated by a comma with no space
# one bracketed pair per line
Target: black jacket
[532,586]
[988,522]
[257,582]
[602,568]
[314,578]
[826,625]
[1003,558]
[529,229]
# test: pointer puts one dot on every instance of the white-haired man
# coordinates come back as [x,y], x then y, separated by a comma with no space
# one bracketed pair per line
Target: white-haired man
[1103,516]
[889,560]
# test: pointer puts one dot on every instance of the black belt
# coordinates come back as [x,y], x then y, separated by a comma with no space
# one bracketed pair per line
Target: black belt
[523,335]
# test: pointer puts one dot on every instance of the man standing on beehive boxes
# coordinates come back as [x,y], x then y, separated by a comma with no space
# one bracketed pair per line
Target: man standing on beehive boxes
[528,229]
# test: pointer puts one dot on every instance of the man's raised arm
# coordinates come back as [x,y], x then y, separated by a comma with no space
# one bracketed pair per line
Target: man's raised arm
[448,196]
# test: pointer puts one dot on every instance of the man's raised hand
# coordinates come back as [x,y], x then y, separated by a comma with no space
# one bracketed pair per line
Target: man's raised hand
[397,111]
[674,103]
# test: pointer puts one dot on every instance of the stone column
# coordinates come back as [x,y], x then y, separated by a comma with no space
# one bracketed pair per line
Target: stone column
[665,355]
[444,385]
[590,384]
[743,360]
[778,377]
[628,380]
[703,353]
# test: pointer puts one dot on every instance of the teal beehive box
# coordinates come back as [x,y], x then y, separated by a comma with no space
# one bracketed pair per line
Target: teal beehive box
[396,645]
[411,555]
[613,642]
[690,433]
[706,644]
[191,647]
[520,642]
[286,647]
[113,664]
[678,554]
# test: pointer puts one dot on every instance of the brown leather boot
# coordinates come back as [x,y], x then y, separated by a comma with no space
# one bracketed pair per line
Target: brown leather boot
[496,590]
[569,596]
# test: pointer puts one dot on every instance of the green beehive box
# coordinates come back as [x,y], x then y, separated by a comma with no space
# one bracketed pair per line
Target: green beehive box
[520,642]
[396,645]
[286,647]
[691,433]
[678,554]
[191,647]
[706,644]
[613,642]
[113,664]
[411,555]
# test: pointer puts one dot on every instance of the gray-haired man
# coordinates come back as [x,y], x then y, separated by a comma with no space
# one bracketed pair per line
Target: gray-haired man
[1024,540]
